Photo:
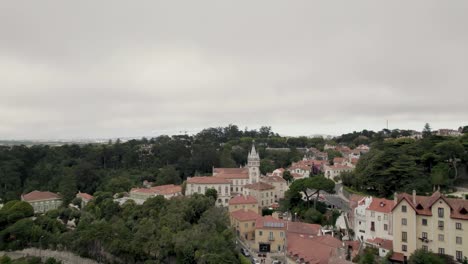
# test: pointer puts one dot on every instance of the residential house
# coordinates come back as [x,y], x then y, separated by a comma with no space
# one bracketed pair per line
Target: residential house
[263,192]
[168,191]
[245,202]
[373,219]
[244,221]
[42,201]
[270,234]
[202,184]
[333,171]
[85,198]
[434,223]
[280,186]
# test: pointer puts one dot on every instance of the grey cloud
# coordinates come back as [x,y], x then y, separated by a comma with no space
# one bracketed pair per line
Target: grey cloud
[116,68]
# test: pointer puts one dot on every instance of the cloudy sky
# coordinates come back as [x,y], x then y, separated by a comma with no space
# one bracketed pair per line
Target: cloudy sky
[81,69]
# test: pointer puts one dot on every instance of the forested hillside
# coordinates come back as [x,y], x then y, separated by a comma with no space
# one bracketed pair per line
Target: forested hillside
[406,164]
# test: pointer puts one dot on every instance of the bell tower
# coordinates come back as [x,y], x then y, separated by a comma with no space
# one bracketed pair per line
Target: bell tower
[253,164]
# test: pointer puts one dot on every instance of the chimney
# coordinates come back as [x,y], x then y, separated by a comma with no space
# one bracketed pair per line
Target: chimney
[414,196]
[395,197]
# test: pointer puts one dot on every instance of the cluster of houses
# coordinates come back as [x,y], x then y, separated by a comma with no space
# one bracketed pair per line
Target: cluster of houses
[294,240]
[409,222]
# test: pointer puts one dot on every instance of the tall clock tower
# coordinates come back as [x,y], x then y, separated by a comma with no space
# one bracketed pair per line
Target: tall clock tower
[253,164]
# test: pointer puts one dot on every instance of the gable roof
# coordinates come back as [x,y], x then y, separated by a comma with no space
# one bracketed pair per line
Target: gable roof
[259,186]
[39,196]
[245,215]
[424,204]
[84,196]
[207,180]
[303,228]
[324,248]
[241,199]
[381,205]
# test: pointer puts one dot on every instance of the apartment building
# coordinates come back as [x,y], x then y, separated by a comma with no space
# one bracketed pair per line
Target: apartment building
[202,184]
[270,234]
[434,223]
[243,221]
[263,192]
[244,202]
[280,186]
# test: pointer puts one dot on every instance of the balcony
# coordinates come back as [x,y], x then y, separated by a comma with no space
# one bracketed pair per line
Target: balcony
[424,239]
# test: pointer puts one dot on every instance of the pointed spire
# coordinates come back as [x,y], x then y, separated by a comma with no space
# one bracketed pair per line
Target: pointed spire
[253,152]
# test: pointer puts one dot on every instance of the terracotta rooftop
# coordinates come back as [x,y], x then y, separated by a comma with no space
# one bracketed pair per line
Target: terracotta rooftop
[259,186]
[207,180]
[241,199]
[38,196]
[231,173]
[324,248]
[382,243]
[338,167]
[159,190]
[84,196]
[381,205]
[338,160]
[245,215]
[303,228]
[398,257]
[423,205]
[270,222]
[274,178]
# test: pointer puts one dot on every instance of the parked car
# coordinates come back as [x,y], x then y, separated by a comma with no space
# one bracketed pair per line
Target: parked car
[276,262]
[255,261]
[245,252]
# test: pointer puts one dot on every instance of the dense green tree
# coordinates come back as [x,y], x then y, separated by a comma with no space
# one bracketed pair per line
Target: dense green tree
[212,193]
[421,256]
[287,176]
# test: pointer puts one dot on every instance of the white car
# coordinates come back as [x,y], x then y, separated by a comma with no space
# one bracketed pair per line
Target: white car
[255,261]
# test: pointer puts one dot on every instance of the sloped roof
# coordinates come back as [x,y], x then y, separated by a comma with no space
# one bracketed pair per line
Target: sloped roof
[381,205]
[38,196]
[324,248]
[245,215]
[303,228]
[85,196]
[207,180]
[274,179]
[382,243]
[231,173]
[424,204]
[243,199]
[261,186]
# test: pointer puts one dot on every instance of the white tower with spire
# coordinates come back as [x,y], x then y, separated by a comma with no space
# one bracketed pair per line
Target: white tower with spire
[253,164]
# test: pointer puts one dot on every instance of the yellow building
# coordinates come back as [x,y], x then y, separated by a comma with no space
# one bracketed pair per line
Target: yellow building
[270,234]
[246,202]
[243,222]
[263,192]
[433,223]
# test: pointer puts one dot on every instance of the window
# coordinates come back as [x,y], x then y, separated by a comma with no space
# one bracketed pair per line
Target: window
[459,255]
[385,217]
[281,234]
[424,235]
[226,190]
[440,212]
[404,236]
[385,227]
[246,225]
[378,218]
[403,208]
[199,189]
[425,248]
[260,233]
[441,251]
[441,237]
[458,226]
[372,227]
[441,225]
[459,240]
[424,222]
[404,248]
[372,214]
[403,221]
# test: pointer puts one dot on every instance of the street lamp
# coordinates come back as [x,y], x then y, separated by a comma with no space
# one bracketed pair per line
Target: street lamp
[40,247]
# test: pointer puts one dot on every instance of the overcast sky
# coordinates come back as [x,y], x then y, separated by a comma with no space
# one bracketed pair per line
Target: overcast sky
[88,69]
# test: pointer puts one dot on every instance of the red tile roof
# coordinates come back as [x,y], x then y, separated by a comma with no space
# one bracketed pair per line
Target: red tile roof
[262,186]
[324,248]
[303,228]
[230,170]
[424,203]
[37,196]
[398,257]
[207,180]
[269,222]
[338,160]
[241,199]
[274,179]
[84,196]
[245,215]
[159,190]
[381,205]
[381,243]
